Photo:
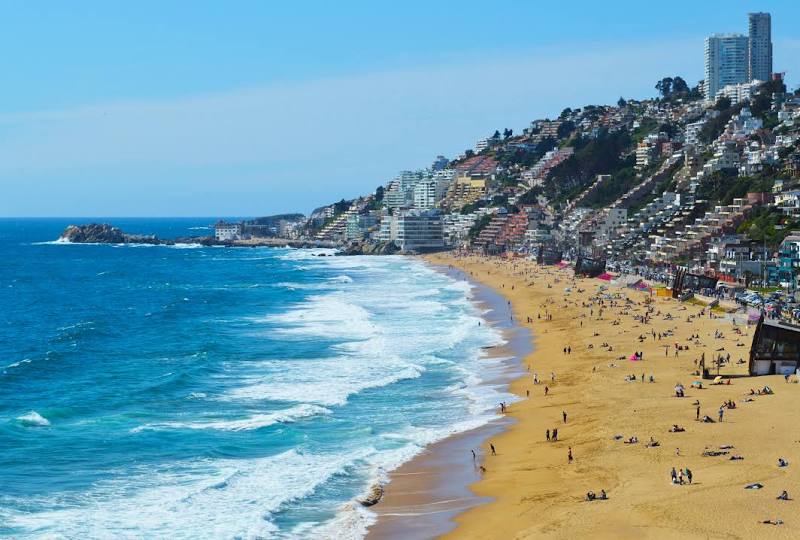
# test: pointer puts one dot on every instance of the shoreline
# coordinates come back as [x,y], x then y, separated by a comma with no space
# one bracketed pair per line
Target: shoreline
[426,493]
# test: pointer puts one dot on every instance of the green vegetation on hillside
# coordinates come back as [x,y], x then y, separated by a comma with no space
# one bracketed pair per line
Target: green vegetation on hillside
[768,224]
[724,186]
[593,156]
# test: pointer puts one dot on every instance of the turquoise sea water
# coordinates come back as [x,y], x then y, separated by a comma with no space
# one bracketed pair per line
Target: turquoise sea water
[190,392]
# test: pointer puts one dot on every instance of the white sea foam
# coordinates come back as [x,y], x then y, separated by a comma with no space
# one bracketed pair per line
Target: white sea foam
[60,242]
[306,254]
[324,382]
[223,498]
[20,363]
[255,421]
[33,418]
[193,245]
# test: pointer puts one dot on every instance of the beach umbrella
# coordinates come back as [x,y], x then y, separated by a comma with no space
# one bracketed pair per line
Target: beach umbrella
[717,379]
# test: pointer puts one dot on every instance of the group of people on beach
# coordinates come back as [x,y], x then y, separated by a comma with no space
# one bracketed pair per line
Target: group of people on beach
[621,308]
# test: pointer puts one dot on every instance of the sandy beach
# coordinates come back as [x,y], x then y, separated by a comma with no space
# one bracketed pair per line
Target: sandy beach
[533,489]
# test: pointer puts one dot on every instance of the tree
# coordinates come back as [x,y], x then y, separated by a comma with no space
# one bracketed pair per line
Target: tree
[496,134]
[664,86]
[621,102]
[507,133]
[565,129]
[530,196]
[760,104]
[469,152]
[566,112]
[679,86]
[379,193]
[723,103]
[669,128]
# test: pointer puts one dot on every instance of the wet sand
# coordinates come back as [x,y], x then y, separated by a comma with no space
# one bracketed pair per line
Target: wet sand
[426,493]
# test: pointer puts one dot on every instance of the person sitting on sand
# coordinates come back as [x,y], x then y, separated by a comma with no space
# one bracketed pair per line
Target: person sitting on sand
[782,463]
[590,496]
[784,496]
[676,429]
[603,495]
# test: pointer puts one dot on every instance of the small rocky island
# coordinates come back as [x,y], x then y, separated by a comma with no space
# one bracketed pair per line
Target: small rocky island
[103,233]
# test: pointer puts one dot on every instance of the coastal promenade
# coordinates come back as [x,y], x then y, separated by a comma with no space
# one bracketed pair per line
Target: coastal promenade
[536,492]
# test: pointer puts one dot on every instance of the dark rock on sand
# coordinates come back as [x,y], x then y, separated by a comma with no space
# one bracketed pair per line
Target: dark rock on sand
[373,497]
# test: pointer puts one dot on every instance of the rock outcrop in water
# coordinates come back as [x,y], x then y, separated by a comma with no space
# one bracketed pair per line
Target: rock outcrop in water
[370,248]
[103,233]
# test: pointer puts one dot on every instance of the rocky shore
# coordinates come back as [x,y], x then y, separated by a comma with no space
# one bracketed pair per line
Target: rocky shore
[103,233]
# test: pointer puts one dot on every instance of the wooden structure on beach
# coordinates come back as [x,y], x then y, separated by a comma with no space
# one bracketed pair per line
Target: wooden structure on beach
[548,255]
[684,281]
[589,267]
[775,348]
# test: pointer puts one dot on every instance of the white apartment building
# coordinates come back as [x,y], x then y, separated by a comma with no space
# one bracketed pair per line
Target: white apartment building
[739,92]
[225,231]
[425,195]
[396,197]
[646,155]
[726,62]
[726,156]
[693,132]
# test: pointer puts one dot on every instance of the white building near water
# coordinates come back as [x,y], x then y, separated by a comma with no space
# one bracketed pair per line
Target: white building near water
[419,231]
[225,231]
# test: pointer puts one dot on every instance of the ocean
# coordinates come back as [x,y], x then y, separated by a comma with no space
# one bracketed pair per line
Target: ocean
[195,392]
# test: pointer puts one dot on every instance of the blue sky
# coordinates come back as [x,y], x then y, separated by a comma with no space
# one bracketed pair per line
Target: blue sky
[251,108]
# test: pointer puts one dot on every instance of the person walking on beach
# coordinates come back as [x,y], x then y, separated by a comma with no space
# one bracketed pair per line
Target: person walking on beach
[674,475]
[564,416]
[569,350]
[492,447]
[546,390]
[569,455]
[555,434]
[721,412]
[697,412]
[689,474]
[547,434]
[474,457]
